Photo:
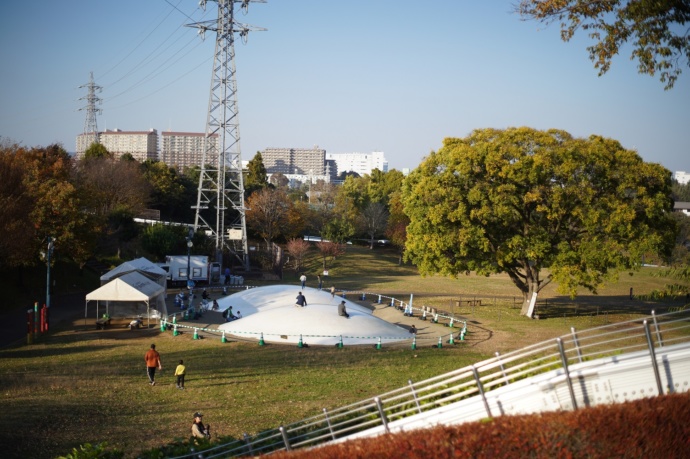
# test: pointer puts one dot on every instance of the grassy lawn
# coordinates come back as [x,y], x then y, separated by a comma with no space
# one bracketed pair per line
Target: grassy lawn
[74,387]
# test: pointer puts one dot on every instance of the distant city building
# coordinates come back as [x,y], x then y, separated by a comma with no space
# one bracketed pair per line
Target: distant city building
[361,163]
[185,149]
[84,141]
[682,177]
[142,145]
[294,161]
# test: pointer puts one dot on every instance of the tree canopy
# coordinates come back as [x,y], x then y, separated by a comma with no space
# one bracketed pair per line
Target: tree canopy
[657,30]
[256,175]
[521,201]
[97,150]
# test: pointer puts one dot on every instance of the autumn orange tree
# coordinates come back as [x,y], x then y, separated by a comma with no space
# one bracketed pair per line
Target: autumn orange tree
[657,29]
[38,199]
[329,251]
[297,248]
[268,213]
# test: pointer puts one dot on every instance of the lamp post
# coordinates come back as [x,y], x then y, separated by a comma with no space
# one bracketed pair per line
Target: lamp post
[48,254]
[190,244]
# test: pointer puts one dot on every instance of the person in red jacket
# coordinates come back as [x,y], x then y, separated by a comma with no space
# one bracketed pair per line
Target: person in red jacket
[153,361]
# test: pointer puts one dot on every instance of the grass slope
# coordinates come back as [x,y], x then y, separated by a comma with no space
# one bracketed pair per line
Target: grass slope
[81,385]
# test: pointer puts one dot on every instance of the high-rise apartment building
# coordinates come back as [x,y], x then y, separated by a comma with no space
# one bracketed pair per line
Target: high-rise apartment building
[84,141]
[361,163]
[682,177]
[185,149]
[295,161]
[142,145]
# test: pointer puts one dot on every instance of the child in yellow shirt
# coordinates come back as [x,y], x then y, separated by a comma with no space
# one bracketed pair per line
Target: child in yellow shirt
[179,372]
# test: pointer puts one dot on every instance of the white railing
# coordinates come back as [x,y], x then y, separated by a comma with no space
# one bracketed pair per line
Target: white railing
[614,363]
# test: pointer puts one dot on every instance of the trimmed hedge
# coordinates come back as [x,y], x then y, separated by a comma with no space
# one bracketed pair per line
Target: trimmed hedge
[653,427]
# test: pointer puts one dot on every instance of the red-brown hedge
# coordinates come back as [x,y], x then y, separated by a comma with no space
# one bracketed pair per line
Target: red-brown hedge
[651,428]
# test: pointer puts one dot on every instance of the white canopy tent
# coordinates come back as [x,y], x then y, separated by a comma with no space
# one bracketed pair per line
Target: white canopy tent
[146,268]
[132,290]
[140,265]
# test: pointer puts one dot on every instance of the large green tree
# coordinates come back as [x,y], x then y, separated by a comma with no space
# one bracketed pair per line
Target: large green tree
[657,29]
[97,150]
[256,176]
[169,191]
[540,206]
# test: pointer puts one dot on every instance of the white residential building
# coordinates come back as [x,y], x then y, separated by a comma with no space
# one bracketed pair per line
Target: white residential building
[142,145]
[84,141]
[295,161]
[185,149]
[361,163]
[682,177]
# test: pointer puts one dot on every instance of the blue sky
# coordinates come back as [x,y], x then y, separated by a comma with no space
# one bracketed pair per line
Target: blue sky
[358,76]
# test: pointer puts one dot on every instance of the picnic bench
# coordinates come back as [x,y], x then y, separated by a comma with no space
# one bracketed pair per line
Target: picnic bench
[102,323]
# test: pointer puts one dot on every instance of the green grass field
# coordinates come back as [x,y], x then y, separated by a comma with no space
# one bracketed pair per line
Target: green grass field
[80,385]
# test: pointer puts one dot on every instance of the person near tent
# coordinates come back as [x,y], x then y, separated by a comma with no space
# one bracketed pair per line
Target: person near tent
[153,361]
[227,276]
[136,323]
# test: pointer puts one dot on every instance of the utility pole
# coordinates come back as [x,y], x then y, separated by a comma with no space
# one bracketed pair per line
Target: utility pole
[221,186]
[90,124]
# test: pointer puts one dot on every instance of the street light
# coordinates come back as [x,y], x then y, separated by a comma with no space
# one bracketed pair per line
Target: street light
[46,255]
[190,244]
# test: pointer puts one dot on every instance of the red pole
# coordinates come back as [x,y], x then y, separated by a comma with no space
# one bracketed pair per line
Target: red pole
[44,319]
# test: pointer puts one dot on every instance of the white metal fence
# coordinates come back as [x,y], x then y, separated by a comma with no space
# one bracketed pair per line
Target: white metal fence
[614,363]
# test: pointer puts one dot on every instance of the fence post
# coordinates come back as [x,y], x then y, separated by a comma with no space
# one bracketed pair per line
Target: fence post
[382,413]
[652,353]
[503,369]
[564,361]
[656,328]
[481,390]
[414,395]
[285,438]
[248,441]
[328,422]
[577,343]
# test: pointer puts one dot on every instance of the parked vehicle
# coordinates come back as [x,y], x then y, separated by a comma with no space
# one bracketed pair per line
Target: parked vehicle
[202,272]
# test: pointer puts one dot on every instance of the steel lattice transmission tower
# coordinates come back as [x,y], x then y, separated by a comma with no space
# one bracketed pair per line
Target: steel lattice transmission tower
[90,124]
[220,198]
